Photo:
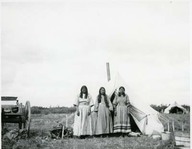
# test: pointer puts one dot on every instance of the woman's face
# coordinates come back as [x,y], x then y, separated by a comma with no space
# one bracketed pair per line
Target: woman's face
[102,91]
[84,90]
[121,90]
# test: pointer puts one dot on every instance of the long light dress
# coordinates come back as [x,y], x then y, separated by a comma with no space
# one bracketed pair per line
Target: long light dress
[121,120]
[104,120]
[83,122]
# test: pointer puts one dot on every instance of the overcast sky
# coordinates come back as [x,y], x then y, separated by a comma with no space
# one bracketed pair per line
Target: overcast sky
[49,50]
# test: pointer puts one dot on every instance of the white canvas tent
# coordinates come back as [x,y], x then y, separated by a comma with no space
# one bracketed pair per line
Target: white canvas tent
[175,108]
[145,117]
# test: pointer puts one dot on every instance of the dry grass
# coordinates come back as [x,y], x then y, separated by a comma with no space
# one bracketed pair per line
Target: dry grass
[40,137]
[143,142]
[178,120]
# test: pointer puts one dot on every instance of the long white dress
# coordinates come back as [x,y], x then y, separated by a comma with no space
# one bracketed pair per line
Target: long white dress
[83,122]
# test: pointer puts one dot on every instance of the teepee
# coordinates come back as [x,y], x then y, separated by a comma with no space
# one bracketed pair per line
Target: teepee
[146,119]
[175,108]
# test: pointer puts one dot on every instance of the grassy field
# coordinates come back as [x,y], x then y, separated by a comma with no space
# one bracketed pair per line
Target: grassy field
[42,124]
[178,119]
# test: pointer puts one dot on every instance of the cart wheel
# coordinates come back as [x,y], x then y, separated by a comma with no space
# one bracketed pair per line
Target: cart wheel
[27,117]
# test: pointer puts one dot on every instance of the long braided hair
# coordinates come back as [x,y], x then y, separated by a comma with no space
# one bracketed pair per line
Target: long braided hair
[105,97]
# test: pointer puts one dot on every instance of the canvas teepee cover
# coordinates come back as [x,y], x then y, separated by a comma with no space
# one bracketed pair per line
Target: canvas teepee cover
[145,117]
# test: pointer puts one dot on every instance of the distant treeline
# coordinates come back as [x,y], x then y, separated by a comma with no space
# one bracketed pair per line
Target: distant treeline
[45,110]
[161,108]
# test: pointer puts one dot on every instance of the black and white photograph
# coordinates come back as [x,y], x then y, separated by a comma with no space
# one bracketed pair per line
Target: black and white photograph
[95,74]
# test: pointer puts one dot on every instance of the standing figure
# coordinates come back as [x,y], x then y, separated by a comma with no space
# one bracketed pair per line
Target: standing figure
[103,107]
[83,122]
[121,115]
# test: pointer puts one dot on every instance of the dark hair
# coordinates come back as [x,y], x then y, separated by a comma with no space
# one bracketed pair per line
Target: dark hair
[112,97]
[119,94]
[105,97]
[81,93]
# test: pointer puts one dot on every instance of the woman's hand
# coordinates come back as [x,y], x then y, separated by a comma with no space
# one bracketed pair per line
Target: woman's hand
[78,113]
[128,104]
[89,112]
[115,113]
[110,109]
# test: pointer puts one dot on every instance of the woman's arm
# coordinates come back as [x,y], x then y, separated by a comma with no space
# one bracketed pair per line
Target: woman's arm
[76,104]
[90,104]
[96,105]
[128,103]
[115,105]
[77,109]
[110,104]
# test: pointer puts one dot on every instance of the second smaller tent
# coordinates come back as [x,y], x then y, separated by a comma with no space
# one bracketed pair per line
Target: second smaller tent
[175,108]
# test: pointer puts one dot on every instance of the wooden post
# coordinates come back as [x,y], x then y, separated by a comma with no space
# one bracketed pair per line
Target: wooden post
[173,125]
[66,120]
[168,127]
[182,126]
[63,127]
[108,71]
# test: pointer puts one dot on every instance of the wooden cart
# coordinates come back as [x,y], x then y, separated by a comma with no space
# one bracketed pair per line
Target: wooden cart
[15,112]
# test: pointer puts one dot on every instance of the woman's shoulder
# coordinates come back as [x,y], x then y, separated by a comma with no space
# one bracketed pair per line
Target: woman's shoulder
[126,95]
[89,95]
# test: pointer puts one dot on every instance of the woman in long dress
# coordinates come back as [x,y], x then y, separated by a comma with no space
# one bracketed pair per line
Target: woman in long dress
[83,122]
[103,107]
[121,118]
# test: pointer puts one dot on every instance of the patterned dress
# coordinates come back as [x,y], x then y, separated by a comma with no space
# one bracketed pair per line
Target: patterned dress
[121,120]
[104,120]
[83,122]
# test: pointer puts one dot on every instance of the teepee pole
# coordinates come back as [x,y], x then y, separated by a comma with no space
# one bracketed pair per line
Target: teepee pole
[108,72]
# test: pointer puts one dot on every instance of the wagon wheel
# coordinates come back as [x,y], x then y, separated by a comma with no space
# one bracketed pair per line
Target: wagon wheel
[27,117]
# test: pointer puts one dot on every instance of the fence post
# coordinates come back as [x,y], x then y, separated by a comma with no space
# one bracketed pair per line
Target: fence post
[173,125]
[62,132]
[182,127]
[168,126]
[66,121]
